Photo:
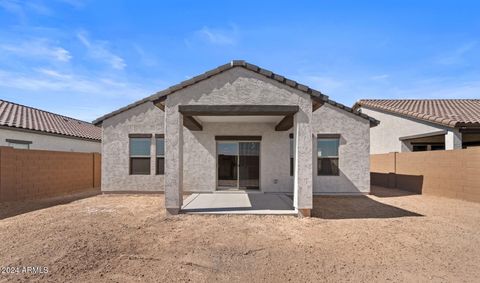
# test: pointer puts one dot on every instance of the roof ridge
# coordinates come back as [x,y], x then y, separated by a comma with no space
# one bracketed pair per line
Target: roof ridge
[45,111]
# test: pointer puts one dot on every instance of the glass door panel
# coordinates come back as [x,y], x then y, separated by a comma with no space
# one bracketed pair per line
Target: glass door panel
[249,165]
[227,155]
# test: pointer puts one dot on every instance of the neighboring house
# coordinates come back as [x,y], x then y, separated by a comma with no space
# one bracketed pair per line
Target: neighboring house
[30,128]
[423,124]
[237,127]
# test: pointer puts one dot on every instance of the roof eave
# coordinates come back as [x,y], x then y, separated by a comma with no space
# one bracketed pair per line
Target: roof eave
[40,132]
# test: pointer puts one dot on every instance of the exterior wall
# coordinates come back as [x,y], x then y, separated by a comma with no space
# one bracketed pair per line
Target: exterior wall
[354,154]
[34,174]
[143,119]
[385,136]
[449,173]
[235,86]
[49,142]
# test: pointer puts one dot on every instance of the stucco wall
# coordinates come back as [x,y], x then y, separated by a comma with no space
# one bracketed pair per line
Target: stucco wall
[235,86]
[238,86]
[385,136]
[354,154]
[143,119]
[49,142]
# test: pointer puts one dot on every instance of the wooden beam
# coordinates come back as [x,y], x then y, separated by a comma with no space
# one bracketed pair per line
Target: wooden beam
[238,138]
[160,105]
[190,123]
[285,124]
[160,102]
[237,110]
[316,104]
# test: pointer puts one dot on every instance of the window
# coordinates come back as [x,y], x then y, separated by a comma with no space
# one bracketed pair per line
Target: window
[160,148]
[140,154]
[427,147]
[437,147]
[419,148]
[327,155]
[19,144]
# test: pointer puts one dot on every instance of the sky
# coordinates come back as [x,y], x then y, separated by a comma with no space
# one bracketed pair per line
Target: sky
[85,58]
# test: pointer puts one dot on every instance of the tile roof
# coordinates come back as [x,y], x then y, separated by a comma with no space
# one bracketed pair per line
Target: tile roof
[23,117]
[243,64]
[446,112]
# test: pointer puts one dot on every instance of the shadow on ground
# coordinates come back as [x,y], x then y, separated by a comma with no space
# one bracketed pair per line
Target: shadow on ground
[14,208]
[390,192]
[355,207]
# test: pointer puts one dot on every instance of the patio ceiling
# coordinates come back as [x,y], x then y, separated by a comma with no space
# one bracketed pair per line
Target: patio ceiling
[284,113]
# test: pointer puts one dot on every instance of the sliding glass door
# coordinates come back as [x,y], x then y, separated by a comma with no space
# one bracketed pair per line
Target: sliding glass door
[249,165]
[227,158]
[238,165]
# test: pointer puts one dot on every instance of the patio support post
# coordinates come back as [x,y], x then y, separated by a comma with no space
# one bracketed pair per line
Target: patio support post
[173,159]
[303,161]
[453,139]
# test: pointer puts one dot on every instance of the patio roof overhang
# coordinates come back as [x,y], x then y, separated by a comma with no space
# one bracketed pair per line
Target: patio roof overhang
[189,113]
[424,135]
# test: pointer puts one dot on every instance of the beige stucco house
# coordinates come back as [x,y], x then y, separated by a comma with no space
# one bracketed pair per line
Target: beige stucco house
[422,124]
[25,127]
[236,127]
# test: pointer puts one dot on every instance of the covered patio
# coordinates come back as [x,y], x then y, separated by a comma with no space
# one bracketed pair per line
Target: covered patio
[239,202]
[195,118]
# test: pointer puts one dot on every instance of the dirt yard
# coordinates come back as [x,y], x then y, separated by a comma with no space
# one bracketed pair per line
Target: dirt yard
[389,236]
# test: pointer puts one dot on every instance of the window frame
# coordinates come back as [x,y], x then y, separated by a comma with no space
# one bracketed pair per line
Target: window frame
[132,157]
[13,142]
[157,156]
[337,157]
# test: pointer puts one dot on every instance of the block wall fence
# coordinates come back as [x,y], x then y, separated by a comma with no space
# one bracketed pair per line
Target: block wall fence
[448,173]
[35,174]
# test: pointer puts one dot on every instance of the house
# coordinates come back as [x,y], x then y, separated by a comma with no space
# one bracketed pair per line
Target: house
[235,127]
[422,124]
[30,128]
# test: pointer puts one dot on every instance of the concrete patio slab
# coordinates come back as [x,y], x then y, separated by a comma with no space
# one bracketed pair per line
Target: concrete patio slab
[239,203]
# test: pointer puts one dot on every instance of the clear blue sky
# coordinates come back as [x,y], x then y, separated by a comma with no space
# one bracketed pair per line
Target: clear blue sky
[86,58]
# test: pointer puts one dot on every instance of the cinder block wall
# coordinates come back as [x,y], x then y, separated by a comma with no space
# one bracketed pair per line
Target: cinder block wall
[34,174]
[449,173]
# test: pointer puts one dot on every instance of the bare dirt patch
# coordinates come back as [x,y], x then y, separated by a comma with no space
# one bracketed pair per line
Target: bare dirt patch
[390,235]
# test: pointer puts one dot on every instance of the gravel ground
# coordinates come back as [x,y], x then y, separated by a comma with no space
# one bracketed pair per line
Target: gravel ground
[388,236]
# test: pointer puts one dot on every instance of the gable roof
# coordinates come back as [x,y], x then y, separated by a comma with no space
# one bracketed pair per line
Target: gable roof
[161,95]
[16,116]
[453,113]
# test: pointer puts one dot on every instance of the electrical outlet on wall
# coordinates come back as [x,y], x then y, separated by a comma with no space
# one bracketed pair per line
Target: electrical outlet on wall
[275,181]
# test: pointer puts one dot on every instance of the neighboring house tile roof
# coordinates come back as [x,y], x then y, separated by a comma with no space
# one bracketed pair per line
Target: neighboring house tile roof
[18,116]
[237,63]
[447,112]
